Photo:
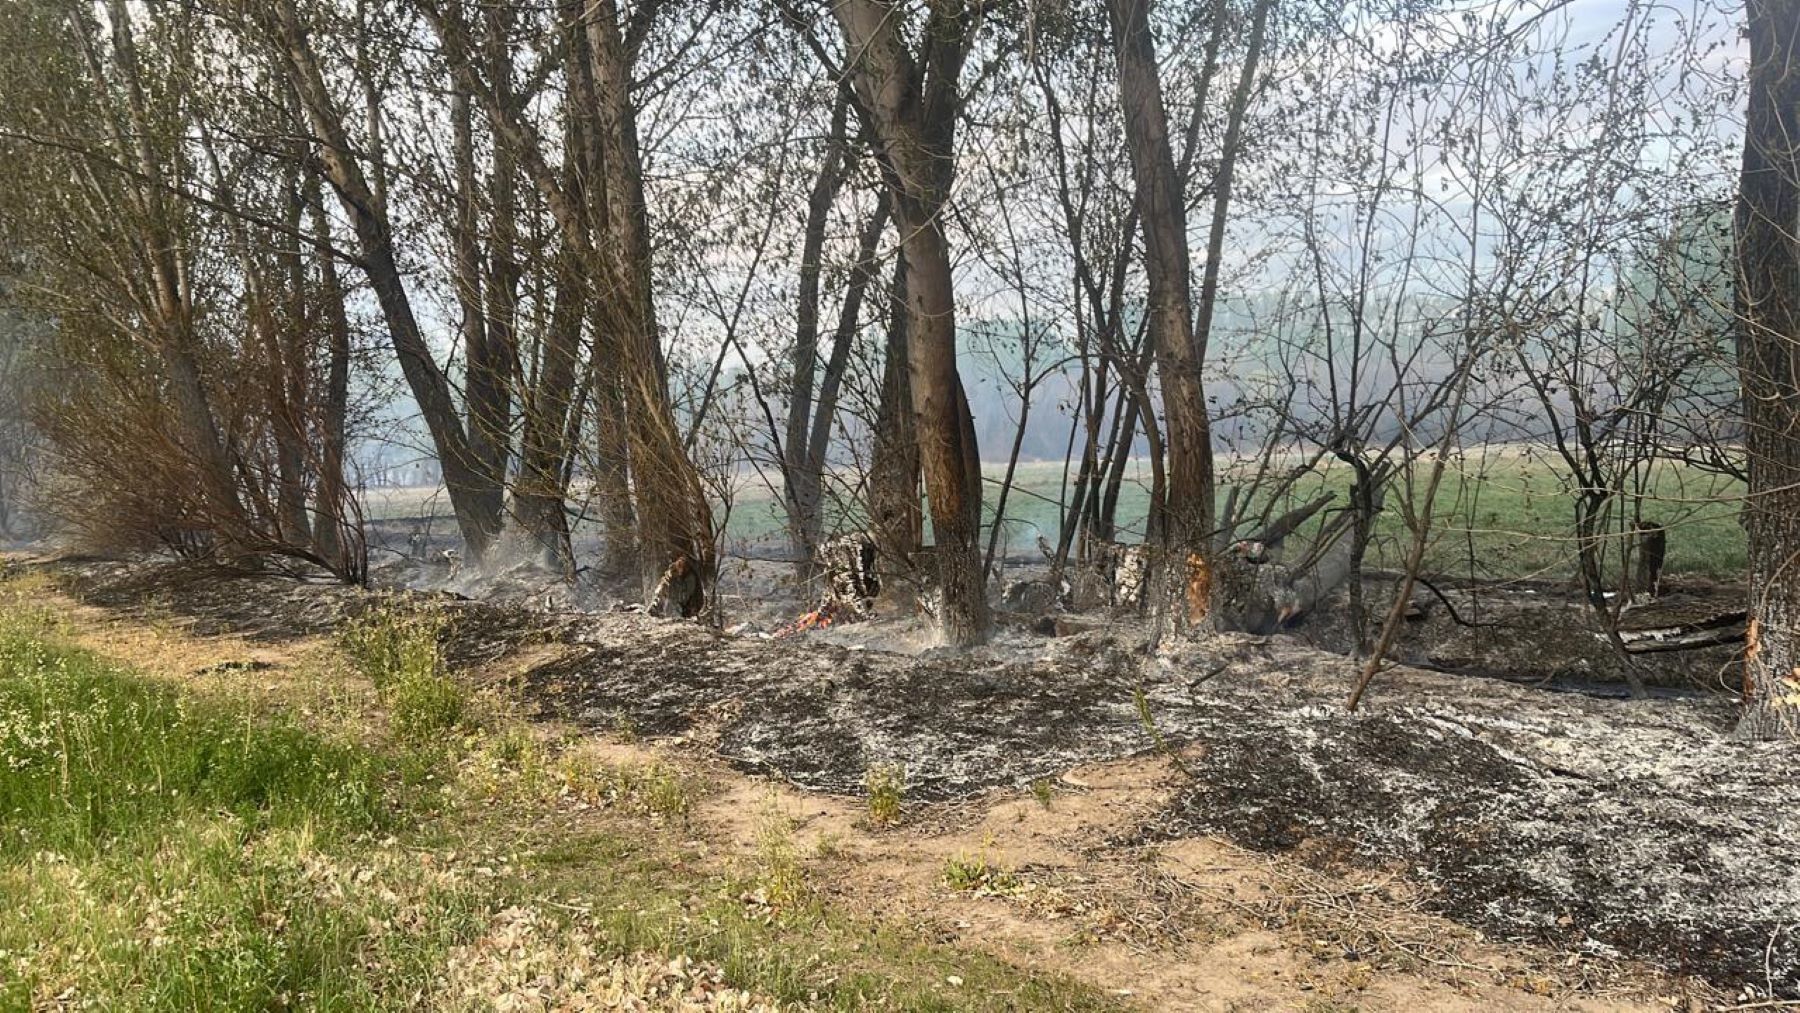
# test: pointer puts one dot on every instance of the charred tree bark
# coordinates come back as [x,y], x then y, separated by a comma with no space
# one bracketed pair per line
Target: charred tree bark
[296,354]
[910,105]
[1129,407]
[282,401]
[498,370]
[598,204]
[1768,315]
[485,385]
[1187,510]
[894,514]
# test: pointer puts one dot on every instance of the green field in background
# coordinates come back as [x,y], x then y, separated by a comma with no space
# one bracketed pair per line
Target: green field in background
[1500,513]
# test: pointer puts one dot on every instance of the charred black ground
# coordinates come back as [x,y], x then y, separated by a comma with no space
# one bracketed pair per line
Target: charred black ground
[1639,828]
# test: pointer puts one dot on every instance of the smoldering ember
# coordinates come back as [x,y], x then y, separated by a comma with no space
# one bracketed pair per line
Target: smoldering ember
[899,504]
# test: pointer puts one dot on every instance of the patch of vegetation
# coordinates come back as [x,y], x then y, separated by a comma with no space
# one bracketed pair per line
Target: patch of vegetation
[654,789]
[393,638]
[779,877]
[398,646]
[25,602]
[508,762]
[807,953]
[93,759]
[424,705]
[979,873]
[160,851]
[1042,790]
[886,785]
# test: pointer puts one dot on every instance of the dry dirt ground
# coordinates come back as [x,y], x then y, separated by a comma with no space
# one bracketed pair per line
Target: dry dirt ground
[1457,845]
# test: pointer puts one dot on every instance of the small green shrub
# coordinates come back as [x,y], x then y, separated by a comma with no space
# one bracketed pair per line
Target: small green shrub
[979,873]
[1042,791]
[393,640]
[778,875]
[423,705]
[397,646]
[886,785]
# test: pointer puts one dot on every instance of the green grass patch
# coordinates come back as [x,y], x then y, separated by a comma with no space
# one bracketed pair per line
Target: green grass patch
[398,645]
[163,852]
[160,851]
[92,758]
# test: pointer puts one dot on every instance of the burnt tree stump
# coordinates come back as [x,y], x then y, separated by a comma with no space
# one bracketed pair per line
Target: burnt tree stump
[852,584]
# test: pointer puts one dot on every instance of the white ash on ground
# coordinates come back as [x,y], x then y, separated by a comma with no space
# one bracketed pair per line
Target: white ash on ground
[1632,826]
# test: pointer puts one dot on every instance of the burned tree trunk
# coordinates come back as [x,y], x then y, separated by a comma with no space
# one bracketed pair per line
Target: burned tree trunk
[540,491]
[598,204]
[894,515]
[612,463]
[851,581]
[1187,511]
[296,355]
[947,453]
[1130,410]
[674,519]
[485,383]
[910,104]
[1650,548]
[1768,316]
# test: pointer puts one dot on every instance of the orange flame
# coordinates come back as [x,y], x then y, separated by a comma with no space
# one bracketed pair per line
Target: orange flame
[817,619]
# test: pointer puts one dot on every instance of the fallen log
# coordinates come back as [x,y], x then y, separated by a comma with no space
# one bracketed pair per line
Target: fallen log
[1724,628]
